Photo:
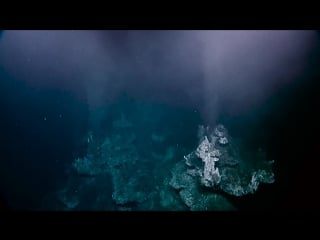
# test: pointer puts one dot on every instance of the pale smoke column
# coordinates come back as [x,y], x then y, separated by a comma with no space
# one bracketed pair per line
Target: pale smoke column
[212,74]
[77,61]
[82,64]
[242,68]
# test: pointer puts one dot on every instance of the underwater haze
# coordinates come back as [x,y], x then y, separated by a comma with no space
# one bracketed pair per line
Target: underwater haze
[159,120]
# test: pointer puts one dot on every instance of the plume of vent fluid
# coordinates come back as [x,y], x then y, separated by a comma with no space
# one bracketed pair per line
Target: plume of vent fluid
[207,70]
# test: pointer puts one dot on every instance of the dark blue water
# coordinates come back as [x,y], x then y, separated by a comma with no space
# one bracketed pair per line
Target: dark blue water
[38,137]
